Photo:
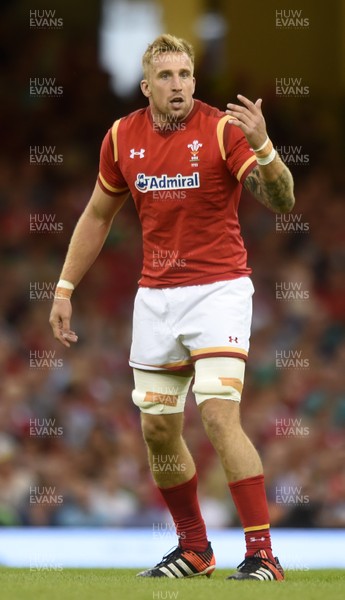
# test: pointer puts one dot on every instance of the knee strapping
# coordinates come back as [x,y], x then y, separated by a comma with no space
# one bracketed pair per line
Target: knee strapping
[219,377]
[160,393]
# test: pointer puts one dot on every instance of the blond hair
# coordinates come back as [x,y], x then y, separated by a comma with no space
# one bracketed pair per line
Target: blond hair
[163,44]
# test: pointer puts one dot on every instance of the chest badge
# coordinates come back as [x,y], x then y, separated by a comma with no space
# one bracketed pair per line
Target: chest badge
[194,152]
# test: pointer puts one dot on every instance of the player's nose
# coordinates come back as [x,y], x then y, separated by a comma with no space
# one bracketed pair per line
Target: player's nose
[176,83]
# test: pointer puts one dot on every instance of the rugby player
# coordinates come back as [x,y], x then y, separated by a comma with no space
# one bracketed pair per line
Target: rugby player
[184,163]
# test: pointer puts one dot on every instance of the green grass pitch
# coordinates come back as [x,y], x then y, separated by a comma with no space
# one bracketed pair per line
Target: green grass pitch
[121,584]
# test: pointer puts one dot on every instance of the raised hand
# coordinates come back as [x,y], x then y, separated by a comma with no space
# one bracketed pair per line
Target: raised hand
[249,119]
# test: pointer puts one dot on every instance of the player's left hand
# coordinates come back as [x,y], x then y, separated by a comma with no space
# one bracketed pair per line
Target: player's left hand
[249,119]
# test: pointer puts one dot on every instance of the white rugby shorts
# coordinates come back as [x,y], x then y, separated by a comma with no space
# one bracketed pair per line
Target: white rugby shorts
[174,327]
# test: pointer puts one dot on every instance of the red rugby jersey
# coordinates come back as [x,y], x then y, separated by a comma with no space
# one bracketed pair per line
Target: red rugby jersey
[186,185]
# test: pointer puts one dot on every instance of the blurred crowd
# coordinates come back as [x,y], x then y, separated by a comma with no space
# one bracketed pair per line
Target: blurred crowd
[71,451]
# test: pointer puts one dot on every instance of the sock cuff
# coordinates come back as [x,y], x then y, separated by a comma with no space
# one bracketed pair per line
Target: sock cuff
[180,486]
[248,481]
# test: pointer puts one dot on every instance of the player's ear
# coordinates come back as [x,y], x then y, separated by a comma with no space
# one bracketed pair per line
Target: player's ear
[194,82]
[145,88]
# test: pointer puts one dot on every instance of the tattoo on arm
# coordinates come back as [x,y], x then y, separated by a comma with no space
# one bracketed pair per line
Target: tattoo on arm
[276,195]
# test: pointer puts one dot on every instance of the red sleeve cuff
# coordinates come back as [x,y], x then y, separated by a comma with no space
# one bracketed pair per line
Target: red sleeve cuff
[246,168]
[108,189]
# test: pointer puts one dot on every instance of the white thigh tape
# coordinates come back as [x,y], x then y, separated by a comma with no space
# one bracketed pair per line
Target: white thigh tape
[160,393]
[219,377]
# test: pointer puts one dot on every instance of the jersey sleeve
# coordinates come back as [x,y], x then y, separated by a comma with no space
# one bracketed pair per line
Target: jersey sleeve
[110,177]
[240,158]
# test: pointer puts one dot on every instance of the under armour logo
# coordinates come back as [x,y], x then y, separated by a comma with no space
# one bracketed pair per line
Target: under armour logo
[233,339]
[140,153]
[254,539]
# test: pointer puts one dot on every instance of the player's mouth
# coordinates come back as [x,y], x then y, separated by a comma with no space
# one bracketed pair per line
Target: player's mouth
[177,101]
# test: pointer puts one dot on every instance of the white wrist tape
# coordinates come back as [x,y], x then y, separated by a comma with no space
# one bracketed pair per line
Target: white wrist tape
[65,284]
[262,145]
[268,159]
[64,290]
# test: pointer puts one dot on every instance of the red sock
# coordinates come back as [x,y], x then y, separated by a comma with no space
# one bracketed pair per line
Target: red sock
[249,496]
[183,504]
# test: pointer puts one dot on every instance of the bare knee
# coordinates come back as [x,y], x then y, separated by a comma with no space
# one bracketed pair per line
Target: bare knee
[220,417]
[160,431]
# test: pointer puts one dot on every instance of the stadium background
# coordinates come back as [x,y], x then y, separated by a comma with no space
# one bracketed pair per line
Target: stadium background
[71,452]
